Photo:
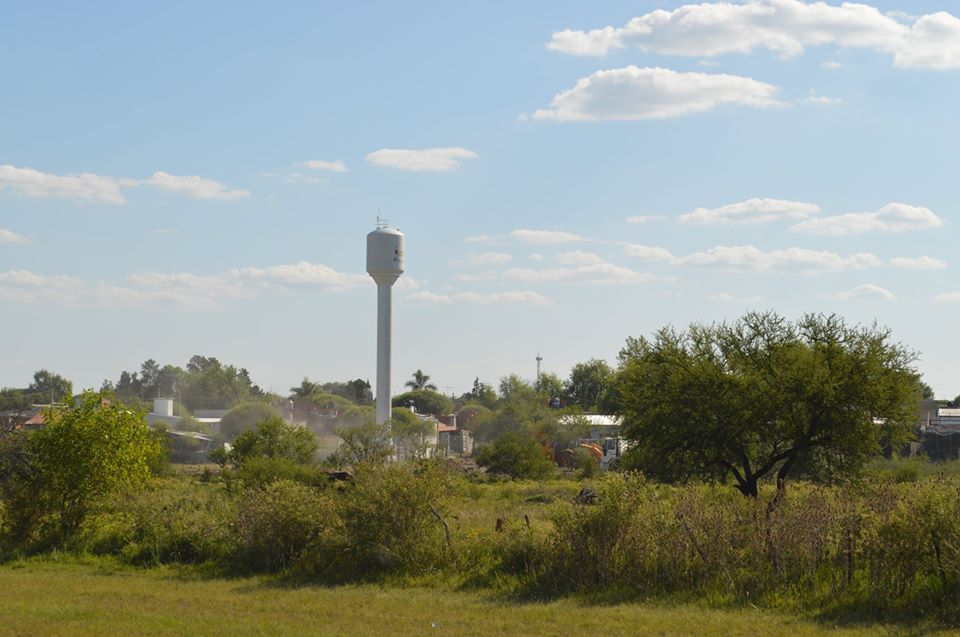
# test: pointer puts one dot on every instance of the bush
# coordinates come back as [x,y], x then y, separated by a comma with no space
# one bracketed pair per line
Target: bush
[174,521]
[368,442]
[390,520]
[259,472]
[277,524]
[515,455]
[274,438]
[89,450]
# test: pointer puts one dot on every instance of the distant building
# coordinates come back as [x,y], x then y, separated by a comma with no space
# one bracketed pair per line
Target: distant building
[163,414]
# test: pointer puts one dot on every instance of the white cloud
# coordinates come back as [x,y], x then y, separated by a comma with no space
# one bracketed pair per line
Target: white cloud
[867,291]
[183,289]
[489,258]
[596,274]
[544,236]
[786,27]
[426,159]
[297,178]
[632,93]
[918,263]
[799,260]
[821,100]
[932,43]
[948,297]
[9,236]
[429,297]
[536,237]
[578,257]
[894,217]
[332,166]
[28,182]
[193,186]
[536,257]
[648,253]
[832,65]
[520,296]
[645,218]
[751,211]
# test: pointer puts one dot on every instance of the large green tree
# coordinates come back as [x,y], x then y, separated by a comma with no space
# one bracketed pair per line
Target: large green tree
[588,385]
[425,401]
[765,397]
[88,450]
[50,387]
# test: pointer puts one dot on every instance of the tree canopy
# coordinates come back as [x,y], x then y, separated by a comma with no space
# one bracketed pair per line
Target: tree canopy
[425,401]
[244,418]
[88,450]
[764,396]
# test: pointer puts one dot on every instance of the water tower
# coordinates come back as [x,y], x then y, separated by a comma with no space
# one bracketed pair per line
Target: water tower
[385,265]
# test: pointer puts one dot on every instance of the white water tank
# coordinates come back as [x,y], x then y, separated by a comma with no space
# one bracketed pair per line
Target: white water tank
[385,255]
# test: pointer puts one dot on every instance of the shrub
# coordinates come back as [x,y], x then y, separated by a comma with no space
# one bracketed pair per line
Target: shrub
[278,523]
[274,438]
[259,472]
[177,521]
[391,518]
[516,455]
[89,450]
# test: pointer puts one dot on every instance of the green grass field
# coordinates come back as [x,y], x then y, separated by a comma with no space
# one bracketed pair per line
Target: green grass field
[48,598]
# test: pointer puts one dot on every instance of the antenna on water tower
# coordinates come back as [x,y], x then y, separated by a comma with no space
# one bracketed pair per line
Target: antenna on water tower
[385,265]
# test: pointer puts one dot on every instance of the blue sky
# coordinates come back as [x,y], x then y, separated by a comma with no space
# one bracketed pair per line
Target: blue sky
[186,178]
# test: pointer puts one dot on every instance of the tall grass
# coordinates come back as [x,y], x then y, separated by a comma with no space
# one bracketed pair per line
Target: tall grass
[884,544]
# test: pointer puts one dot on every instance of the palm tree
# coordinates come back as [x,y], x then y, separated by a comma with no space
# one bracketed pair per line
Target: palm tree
[305,389]
[420,381]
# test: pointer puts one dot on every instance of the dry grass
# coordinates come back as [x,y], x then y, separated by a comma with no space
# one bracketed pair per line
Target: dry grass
[97,598]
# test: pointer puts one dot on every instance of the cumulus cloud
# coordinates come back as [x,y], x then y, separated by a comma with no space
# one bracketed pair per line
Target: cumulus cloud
[932,43]
[867,291]
[648,253]
[948,297]
[799,260]
[918,263]
[425,159]
[578,257]
[9,236]
[894,217]
[595,274]
[27,182]
[544,236]
[332,166]
[785,27]
[751,211]
[489,258]
[520,296]
[182,289]
[193,186]
[632,93]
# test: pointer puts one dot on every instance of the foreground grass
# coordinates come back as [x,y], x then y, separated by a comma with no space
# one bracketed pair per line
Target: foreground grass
[98,598]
